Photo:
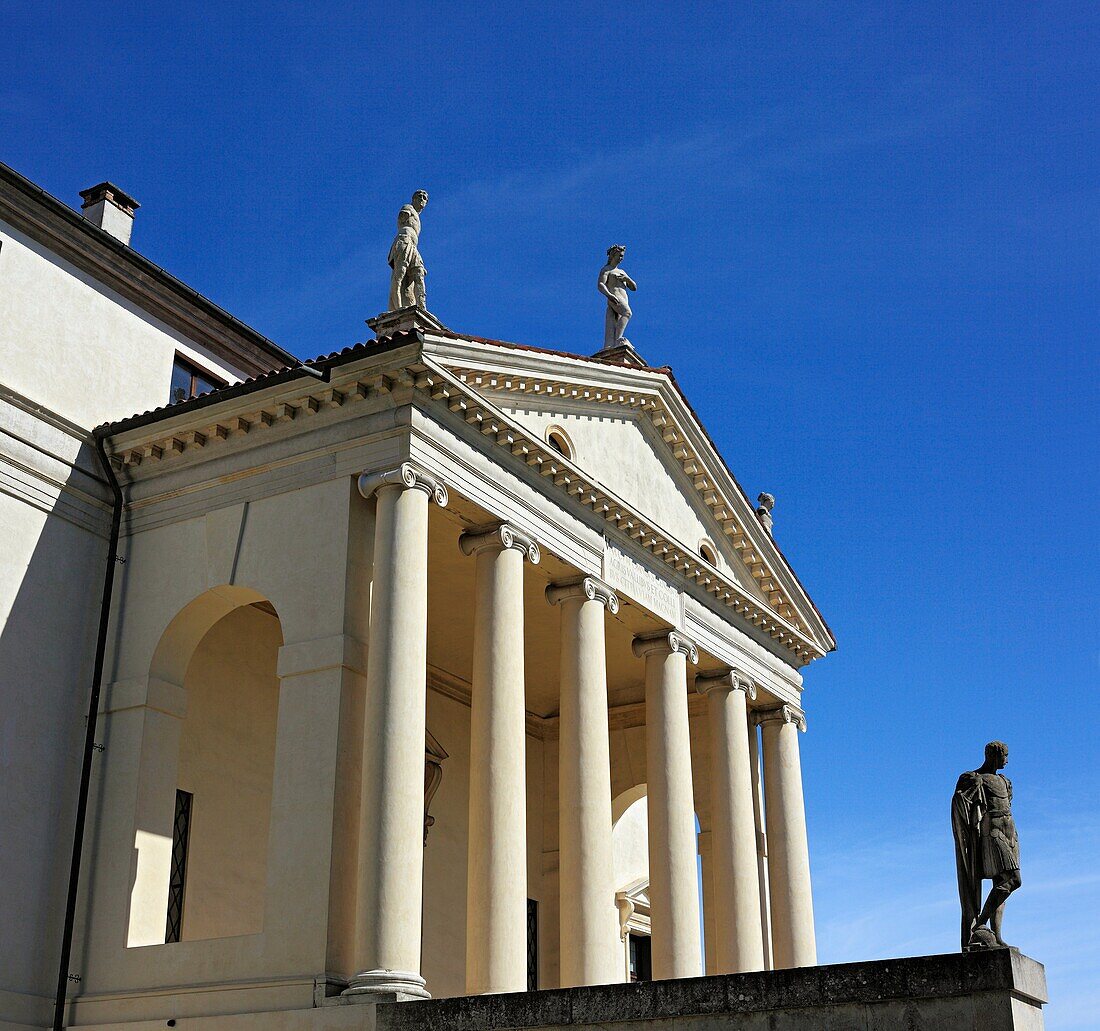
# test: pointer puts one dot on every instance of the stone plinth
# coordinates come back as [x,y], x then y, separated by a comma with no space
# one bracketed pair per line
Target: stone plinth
[999,990]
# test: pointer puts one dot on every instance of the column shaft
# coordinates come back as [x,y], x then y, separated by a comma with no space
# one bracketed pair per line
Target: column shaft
[590,949]
[761,841]
[793,939]
[673,871]
[496,896]
[736,883]
[391,818]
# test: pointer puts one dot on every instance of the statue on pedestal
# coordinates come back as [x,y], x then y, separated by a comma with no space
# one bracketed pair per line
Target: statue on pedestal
[986,847]
[613,284]
[407,281]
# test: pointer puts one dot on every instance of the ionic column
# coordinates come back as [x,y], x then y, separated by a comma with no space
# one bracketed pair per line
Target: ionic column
[736,884]
[673,874]
[590,950]
[391,820]
[761,842]
[793,942]
[496,893]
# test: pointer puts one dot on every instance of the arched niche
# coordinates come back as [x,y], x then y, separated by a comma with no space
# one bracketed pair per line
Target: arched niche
[207,770]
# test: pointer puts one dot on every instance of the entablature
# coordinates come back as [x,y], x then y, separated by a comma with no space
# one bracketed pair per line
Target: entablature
[407,377]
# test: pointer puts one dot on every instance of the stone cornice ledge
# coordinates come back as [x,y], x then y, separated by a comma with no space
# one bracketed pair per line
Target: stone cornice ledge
[408,476]
[586,587]
[501,537]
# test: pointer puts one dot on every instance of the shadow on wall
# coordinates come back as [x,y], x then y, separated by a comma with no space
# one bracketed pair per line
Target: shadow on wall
[51,577]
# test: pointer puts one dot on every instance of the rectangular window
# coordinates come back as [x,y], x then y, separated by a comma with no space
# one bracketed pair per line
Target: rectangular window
[177,881]
[641,958]
[188,381]
[532,945]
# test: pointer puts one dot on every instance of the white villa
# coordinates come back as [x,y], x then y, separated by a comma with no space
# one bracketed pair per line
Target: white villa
[438,666]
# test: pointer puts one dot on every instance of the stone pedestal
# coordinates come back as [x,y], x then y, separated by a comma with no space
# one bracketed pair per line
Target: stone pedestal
[404,320]
[999,990]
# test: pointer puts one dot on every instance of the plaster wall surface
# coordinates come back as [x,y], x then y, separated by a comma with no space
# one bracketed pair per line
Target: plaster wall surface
[76,346]
[630,846]
[628,461]
[51,566]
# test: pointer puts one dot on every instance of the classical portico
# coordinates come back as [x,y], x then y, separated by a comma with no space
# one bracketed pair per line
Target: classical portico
[524,593]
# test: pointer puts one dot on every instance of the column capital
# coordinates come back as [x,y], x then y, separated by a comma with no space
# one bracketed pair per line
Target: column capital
[665,642]
[499,537]
[406,475]
[785,713]
[725,680]
[586,587]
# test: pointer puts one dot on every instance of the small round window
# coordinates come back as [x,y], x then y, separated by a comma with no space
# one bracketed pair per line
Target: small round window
[706,549]
[557,439]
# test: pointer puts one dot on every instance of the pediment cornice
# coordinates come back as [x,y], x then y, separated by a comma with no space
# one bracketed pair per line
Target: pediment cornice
[652,395]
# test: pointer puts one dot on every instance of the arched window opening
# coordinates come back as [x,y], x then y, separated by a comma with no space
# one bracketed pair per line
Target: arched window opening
[557,438]
[709,552]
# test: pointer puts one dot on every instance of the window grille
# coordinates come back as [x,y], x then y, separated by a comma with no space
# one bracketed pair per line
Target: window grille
[177,881]
[532,945]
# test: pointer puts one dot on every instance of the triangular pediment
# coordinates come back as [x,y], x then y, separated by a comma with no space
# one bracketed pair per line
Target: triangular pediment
[623,452]
[641,459]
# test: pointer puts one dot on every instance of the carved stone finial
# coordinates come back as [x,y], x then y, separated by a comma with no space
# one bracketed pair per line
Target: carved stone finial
[765,503]
[407,278]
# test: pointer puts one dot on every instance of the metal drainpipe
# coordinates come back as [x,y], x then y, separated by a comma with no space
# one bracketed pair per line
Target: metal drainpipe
[89,737]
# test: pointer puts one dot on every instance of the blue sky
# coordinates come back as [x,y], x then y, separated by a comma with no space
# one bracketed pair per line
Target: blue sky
[866,239]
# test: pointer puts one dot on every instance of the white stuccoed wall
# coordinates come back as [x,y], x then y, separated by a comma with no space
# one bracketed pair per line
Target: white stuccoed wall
[73,347]
[78,348]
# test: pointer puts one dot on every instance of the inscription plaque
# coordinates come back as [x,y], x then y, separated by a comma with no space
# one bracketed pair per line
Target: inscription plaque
[626,576]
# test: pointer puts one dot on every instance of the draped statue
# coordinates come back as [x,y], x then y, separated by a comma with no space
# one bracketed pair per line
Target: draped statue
[986,847]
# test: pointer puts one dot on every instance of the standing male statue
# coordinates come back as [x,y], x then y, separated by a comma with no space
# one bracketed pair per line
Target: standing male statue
[986,847]
[407,281]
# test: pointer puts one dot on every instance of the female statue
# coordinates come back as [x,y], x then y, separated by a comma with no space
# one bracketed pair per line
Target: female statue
[613,284]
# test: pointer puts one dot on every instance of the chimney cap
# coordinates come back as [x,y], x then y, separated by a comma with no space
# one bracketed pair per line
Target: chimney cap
[108,191]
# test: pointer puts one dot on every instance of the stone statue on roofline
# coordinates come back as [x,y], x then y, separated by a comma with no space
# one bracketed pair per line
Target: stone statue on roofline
[407,279]
[986,848]
[613,284]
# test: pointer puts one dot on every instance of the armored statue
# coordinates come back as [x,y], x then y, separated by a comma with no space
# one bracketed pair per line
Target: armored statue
[407,280]
[613,284]
[986,847]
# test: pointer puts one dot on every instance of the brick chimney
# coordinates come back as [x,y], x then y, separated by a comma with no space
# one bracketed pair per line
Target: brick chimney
[108,207]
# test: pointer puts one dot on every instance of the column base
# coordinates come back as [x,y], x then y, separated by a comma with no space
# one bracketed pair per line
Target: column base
[403,983]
